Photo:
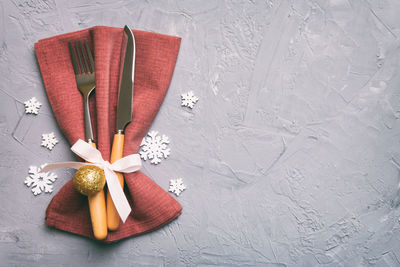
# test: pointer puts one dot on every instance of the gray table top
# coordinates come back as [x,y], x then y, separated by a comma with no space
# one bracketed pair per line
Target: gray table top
[291,156]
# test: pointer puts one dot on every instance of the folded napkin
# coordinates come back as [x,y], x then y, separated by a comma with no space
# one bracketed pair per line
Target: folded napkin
[156,56]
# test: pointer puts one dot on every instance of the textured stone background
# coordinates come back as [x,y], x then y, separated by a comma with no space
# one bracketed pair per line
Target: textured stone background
[291,157]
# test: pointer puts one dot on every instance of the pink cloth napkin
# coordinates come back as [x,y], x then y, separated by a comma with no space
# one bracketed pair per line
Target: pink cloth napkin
[156,56]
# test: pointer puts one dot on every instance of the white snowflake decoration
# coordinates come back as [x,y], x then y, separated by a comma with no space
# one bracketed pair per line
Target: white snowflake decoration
[32,106]
[189,99]
[40,182]
[154,147]
[49,140]
[176,186]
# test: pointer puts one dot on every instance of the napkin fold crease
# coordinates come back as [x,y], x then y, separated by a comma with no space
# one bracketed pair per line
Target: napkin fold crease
[156,56]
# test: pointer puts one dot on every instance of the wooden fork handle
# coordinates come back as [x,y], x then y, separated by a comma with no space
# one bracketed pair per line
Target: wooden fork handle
[97,207]
[117,151]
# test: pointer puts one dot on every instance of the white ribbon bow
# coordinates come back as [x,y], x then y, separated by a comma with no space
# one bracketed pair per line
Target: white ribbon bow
[93,156]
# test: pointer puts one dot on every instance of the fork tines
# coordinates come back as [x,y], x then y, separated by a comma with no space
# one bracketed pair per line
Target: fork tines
[85,63]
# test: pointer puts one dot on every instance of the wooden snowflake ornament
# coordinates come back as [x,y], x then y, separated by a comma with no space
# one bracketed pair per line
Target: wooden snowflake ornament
[154,147]
[32,106]
[176,186]
[189,99]
[40,182]
[49,140]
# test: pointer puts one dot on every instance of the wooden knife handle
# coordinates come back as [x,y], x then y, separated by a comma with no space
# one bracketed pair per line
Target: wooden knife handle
[97,207]
[117,151]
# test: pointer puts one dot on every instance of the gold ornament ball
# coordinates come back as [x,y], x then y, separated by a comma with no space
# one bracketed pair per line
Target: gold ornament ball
[89,180]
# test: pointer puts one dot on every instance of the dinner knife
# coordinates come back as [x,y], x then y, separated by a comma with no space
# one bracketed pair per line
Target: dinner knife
[124,114]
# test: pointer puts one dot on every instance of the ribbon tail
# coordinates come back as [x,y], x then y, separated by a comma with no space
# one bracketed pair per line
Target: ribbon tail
[67,164]
[117,195]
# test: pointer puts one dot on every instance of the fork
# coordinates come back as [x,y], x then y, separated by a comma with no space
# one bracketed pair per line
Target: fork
[85,79]
[83,64]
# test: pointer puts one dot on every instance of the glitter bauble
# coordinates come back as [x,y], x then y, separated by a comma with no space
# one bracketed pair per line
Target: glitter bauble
[89,180]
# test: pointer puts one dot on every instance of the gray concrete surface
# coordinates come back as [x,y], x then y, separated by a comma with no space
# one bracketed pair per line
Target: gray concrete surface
[291,156]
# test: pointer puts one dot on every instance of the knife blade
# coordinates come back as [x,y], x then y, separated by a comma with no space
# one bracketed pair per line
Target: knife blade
[124,114]
[126,80]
